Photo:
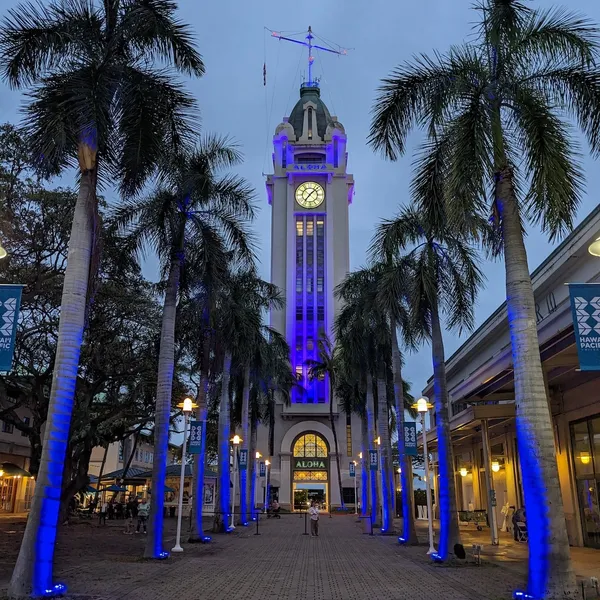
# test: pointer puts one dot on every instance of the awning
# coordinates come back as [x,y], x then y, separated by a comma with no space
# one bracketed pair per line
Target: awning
[168,489]
[114,488]
[11,470]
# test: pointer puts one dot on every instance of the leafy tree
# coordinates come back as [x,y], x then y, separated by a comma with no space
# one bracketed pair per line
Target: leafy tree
[501,109]
[103,97]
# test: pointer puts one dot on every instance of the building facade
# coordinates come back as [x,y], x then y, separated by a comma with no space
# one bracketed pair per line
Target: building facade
[481,388]
[309,191]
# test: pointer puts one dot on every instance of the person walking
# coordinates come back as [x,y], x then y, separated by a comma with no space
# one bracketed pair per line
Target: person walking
[142,515]
[313,511]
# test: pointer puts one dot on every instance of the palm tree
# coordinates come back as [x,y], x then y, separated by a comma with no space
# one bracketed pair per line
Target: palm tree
[326,366]
[97,103]
[195,221]
[444,279]
[241,300]
[498,108]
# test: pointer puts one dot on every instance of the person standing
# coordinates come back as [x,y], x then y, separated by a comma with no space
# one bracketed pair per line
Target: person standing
[313,511]
[142,514]
[103,511]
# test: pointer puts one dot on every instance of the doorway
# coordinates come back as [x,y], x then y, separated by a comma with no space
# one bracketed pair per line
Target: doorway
[305,493]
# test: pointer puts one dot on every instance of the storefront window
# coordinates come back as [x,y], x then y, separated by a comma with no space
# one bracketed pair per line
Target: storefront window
[582,451]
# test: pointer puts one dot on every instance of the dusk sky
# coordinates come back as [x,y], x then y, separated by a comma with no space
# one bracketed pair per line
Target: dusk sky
[232,38]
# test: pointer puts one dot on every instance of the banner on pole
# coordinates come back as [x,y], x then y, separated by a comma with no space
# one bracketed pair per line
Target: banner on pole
[10,302]
[585,305]
[352,470]
[410,438]
[195,437]
[373,460]
[243,462]
[262,469]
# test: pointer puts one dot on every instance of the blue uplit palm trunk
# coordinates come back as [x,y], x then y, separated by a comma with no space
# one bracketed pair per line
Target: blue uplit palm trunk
[245,445]
[409,532]
[32,574]
[253,470]
[386,459]
[550,573]
[449,531]
[374,504]
[364,471]
[166,363]
[224,454]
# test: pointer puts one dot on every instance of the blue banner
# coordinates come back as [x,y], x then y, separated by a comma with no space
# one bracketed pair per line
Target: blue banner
[243,460]
[262,469]
[352,470]
[585,304]
[373,460]
[410,439]
[10,302]
[195,437]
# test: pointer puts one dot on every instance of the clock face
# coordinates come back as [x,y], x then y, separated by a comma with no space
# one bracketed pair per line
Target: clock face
[310,194]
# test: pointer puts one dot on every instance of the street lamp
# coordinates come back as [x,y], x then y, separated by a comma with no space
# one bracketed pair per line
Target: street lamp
[423,405]
[257,457]
[235,440]
[267,463]
[187,406]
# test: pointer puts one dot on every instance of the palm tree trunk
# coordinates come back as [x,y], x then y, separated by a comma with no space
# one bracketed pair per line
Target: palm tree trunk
[364,470]
[224,429]
[252,463]
[551,573]
[245,444]
[196,526]
[409,532]
[387,515]
[33,570]
[372,446]
[166,359]
[449,531]
[335,441]
[99,482]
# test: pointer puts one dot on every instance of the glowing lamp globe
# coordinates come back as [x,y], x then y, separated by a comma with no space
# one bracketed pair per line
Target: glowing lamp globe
[585,457]
[463,472]
[495,466]
[236,439]
[187,405]
[594,247]
[258,454]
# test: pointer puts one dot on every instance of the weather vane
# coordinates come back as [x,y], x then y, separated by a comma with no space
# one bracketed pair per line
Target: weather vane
[309,44]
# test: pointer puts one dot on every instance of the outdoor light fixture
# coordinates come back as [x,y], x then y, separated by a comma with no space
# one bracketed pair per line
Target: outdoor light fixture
[360,455]
[585,457]
[399,470]
[1,473]
[594,247]
[267,462]
[463,472]
[495,466]
[236,439]
[258,455]
[3,252]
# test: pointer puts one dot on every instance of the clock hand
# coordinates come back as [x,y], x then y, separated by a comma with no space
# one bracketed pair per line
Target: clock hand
[309,195]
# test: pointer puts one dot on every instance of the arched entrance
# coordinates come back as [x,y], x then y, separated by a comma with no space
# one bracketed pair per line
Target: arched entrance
[310,467]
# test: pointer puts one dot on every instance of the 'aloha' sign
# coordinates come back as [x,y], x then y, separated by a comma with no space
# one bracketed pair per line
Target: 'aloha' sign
[315,464]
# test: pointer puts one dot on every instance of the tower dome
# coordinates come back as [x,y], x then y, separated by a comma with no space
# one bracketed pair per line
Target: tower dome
[310,93]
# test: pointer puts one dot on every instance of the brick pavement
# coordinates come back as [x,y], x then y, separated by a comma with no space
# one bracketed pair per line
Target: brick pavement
[282,564]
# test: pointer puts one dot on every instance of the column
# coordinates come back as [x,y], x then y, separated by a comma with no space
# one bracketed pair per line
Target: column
[285,474]
[489,482]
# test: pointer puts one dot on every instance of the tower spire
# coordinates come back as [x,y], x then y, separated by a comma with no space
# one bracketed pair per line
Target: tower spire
[308,42]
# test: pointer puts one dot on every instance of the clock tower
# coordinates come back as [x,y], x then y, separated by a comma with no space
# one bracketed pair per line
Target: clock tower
[309,192]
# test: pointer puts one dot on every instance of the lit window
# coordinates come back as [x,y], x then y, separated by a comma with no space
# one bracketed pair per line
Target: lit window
[299,228]
[320,222]
[309,285]
[299,284]
[320,285]
[299,372]
[309,227]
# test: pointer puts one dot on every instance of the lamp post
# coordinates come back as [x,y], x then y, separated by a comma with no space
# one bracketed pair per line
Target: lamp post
[267,463]
[235,440]
[187,406]
[423,405]
[257,457]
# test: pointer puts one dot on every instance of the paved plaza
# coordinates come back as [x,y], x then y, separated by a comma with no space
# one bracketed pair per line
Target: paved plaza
[342,563]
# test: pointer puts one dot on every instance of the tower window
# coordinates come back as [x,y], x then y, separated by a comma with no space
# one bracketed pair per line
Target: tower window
[298,313]
[298,372]
[309,344]
[299,228]
[309,285]
[310,227]
[310,123]
[284,154]
[298,284]
[336,160]
[320,285]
